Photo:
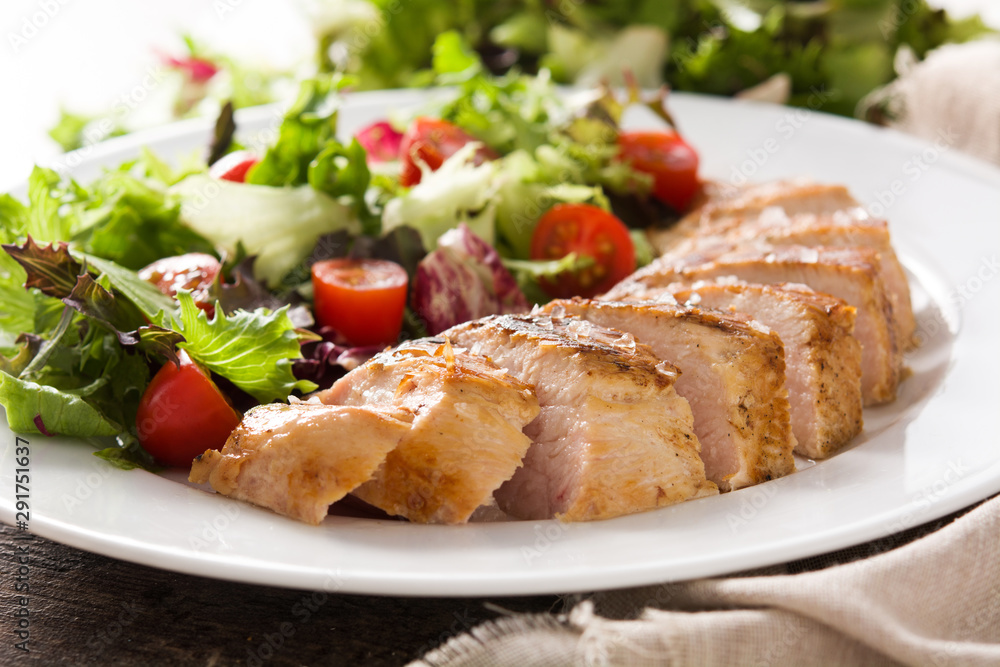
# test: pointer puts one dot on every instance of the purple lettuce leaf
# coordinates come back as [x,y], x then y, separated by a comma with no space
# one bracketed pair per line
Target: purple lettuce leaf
[462,280]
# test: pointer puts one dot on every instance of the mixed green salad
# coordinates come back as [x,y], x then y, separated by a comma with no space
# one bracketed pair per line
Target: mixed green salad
[155,304]
[830,53]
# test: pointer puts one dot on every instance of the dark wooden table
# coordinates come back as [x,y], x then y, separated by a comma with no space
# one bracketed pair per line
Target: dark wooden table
[90,609]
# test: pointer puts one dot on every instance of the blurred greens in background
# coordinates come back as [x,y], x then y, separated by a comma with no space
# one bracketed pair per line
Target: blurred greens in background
[827,54]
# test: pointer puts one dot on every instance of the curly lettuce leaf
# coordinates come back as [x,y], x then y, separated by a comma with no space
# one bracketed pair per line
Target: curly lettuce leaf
[459,191]
[253,350]
[280,225]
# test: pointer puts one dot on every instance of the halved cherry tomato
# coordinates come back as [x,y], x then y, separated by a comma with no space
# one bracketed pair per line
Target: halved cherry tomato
[194,271]
[432,141]
[182,414]
[585,230]
[362,299]
[666,157]
[234,167]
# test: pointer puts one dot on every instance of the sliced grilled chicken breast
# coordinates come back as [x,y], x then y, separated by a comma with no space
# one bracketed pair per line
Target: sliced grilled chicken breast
[724,206]
[847,228]
[732,374]
[851,274]
[465,438]
[613,437]
[299,459]
[795,212]
[822,358]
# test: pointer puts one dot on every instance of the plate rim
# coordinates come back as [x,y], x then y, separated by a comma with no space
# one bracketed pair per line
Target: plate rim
[222,566]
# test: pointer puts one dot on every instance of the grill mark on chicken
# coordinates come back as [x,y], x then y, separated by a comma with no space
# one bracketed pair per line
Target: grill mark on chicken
[612,438]
[823,359]
[733,375]
[847,273]
[465,438]
[299,459]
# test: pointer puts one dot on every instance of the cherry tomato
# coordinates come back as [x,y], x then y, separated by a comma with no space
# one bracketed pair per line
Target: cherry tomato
[362,299]
[666,157]
[585,230]
[381,141]
[194,271]
[182,414]
[234,166]
[432,141]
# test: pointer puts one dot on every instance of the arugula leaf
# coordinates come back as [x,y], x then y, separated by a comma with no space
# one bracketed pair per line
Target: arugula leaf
[454,61]
[509,112]
[130,220]
[253,350]
[529,273]
[222,136]
[68,131]
[42,217]
[149,300]
[341,171]
[54,272]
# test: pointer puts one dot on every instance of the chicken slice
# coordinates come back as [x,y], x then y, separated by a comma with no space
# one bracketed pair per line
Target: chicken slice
[732,374]
[847,228]
[465,438]
[299,459]
[851,274]
[612,438]
[724,206]
[794,212]
[822,357]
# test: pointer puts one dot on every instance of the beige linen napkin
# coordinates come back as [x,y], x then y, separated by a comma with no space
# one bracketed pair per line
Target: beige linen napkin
[935,601]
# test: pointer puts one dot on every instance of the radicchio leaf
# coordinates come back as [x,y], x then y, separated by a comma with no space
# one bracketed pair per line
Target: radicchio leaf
[463,280]
[381,141]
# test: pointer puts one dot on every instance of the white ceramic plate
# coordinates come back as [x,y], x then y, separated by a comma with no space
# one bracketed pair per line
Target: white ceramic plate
[934,450]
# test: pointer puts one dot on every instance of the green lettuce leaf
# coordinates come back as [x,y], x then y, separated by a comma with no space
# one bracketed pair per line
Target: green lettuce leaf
[129,455]
[59,412]
[253,350]
[279,225]
[17,305]
[309,126]
[134,221]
